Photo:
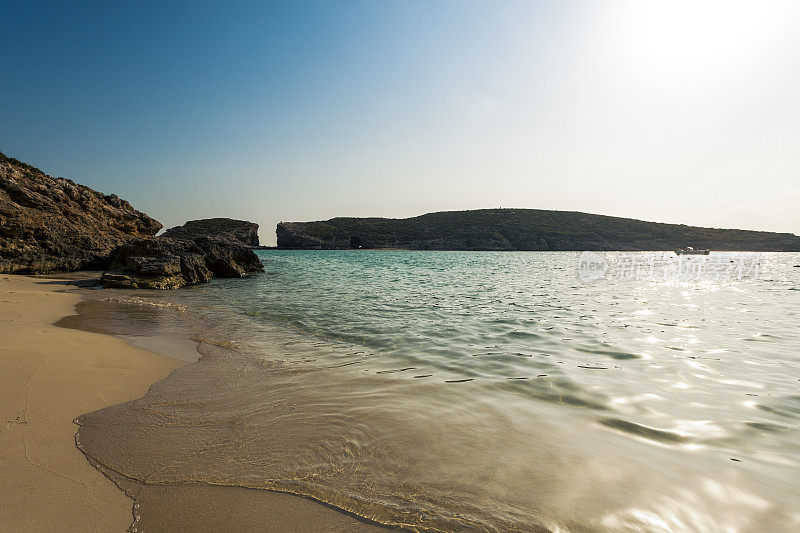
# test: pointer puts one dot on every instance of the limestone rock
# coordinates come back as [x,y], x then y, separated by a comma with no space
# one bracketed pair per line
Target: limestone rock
[169,263]
[52,224]
[241,231]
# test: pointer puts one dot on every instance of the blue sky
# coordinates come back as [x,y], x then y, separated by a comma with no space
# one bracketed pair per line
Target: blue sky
[669,111]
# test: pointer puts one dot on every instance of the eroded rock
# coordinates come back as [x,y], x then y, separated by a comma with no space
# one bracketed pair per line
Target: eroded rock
[168,263]
[52,224]
[241,231]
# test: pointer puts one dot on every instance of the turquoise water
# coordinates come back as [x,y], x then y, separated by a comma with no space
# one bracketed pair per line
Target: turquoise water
[489,391]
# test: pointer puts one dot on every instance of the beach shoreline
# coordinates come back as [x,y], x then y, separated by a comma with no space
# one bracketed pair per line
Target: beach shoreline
[51,376]
[60,366]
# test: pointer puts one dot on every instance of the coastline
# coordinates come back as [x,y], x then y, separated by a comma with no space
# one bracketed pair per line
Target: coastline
[253,429]
[58,367]
[51,376]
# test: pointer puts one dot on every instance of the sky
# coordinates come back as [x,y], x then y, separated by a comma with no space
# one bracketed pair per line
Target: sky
[676,111]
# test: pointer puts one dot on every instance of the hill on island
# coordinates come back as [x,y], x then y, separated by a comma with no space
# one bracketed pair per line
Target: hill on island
[521,229]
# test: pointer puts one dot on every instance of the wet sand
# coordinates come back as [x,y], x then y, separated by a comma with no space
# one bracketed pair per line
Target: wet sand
[50,376]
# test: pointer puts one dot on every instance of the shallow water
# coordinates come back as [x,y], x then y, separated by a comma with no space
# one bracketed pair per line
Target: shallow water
[477,391]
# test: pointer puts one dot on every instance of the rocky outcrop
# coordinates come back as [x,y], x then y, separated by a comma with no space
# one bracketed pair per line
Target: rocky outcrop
[50,224]
[521,229]
[169,263]
[297,236]
[240,231]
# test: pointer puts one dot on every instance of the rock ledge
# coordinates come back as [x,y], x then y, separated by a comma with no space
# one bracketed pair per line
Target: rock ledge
[169,263]
[224,228]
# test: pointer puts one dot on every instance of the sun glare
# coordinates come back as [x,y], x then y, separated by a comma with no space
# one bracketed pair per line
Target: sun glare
[705,40]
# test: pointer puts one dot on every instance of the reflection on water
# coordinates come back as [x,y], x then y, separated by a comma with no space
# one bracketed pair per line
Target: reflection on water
[476,391]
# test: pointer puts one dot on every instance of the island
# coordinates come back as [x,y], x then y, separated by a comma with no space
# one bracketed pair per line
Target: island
[523,230]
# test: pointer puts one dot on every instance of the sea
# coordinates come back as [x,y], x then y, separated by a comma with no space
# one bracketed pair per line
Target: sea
[472,391]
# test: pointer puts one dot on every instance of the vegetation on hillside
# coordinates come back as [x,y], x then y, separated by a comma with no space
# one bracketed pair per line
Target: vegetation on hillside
[521,229]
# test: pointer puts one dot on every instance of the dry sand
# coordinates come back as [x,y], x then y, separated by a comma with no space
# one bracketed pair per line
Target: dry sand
[48,376]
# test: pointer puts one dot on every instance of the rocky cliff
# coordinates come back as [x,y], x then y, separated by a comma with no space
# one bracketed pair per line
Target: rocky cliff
[193,253]
[52,224]
[237,230]
[521,229]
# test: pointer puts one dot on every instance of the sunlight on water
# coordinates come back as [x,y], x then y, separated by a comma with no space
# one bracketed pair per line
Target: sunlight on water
[484,391]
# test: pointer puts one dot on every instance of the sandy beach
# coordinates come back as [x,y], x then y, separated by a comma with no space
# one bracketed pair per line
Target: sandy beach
[54,374]
[440,267]
[50,376]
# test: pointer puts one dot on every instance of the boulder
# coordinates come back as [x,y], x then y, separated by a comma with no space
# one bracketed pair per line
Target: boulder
[169,263]
[52,224]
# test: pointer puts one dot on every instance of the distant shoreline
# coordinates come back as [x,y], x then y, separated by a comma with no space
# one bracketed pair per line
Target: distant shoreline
[521,230]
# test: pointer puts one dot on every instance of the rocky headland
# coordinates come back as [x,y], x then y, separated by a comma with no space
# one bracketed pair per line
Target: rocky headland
[521,229]
[50,224]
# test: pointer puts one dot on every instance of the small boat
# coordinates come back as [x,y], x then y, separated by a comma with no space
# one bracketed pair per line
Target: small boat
[691,251]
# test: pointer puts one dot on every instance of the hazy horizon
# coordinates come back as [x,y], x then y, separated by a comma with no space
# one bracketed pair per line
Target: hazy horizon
[678,112]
